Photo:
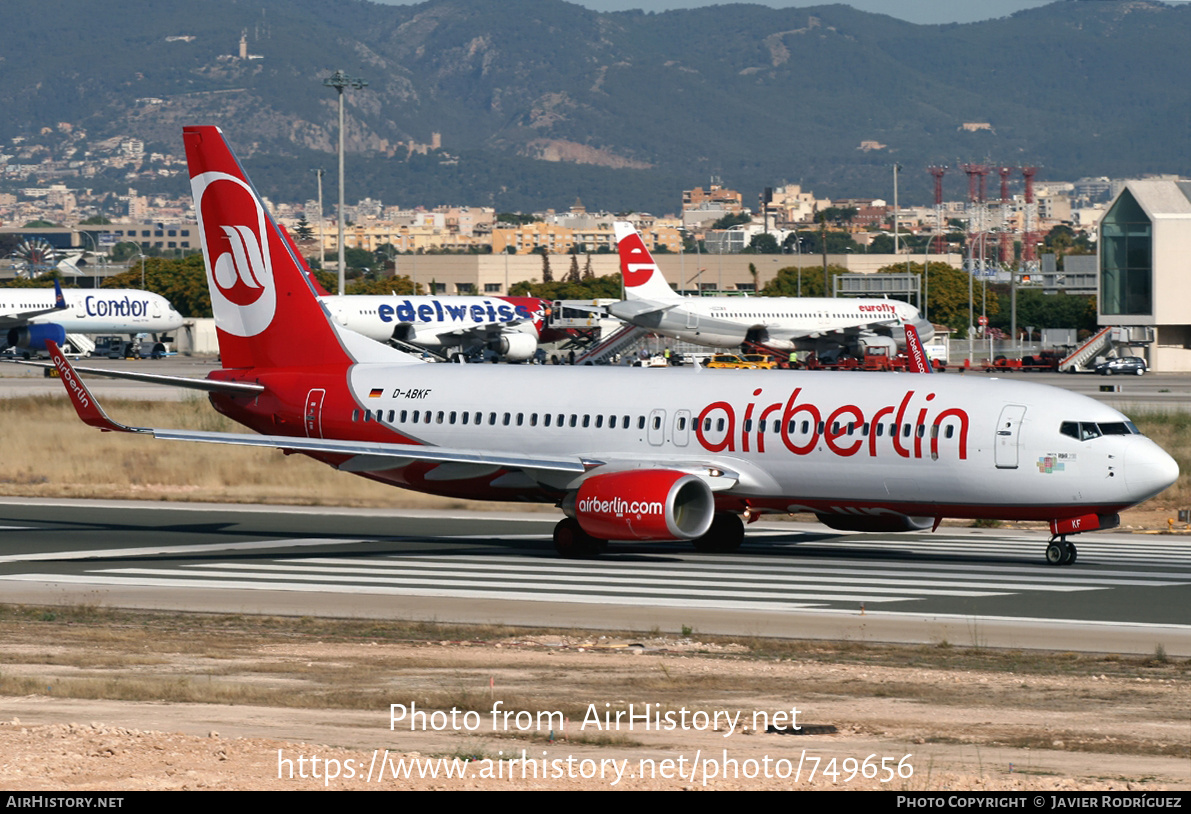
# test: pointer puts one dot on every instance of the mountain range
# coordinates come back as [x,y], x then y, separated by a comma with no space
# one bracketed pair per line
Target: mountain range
[542,101]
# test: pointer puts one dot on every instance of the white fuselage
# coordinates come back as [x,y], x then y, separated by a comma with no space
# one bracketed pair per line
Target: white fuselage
[920,445]
[790,323]
[98,311]
[432,322]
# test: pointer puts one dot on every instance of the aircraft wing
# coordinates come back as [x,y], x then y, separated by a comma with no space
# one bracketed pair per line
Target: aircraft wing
[17,319]
[376,455]
[628,310]
[206,385]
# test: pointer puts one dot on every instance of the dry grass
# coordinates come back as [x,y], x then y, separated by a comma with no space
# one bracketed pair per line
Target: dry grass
[1170,430]
[50,453]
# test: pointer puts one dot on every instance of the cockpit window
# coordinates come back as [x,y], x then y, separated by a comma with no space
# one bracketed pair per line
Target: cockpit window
[1086,430]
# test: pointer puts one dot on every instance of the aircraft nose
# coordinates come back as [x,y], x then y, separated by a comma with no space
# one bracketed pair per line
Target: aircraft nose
[1149,470]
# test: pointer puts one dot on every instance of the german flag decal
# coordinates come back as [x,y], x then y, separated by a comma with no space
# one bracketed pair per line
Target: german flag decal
[376,392]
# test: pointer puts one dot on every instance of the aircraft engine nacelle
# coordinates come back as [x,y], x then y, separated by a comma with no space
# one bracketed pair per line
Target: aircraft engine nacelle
[33,337]
[876,522]
[643,504]
[515,347]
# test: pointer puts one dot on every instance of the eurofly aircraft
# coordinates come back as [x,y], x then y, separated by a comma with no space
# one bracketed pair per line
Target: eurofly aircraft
[675,454]
[825,325]
[30,316]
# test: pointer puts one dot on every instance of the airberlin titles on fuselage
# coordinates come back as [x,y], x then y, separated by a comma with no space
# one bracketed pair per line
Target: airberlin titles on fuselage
[800,425]
[482,312]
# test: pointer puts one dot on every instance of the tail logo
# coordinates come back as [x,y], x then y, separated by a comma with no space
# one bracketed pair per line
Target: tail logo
[636,273]
[234,232]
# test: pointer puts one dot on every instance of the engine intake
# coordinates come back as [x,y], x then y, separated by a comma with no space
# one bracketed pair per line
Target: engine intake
[642,504]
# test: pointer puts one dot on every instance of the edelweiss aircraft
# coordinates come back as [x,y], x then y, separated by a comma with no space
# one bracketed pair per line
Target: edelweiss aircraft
[508,326]
[30,316]
[826,325]
[675,454]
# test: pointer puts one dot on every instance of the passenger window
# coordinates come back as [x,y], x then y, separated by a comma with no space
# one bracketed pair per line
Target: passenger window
[505,422]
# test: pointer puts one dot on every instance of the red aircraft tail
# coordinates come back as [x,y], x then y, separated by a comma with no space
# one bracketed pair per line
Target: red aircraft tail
[266,314]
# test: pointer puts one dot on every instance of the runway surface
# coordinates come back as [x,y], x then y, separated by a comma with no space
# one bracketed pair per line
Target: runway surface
[982,587]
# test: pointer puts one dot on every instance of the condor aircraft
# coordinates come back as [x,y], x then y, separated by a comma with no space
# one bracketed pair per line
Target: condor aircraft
[30,316]
[676,454]
[825,325]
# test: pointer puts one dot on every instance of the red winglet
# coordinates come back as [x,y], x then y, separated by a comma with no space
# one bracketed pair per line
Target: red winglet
[919,362]
[84,403]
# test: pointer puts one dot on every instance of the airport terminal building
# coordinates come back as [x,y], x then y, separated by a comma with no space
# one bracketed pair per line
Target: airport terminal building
[1145,243]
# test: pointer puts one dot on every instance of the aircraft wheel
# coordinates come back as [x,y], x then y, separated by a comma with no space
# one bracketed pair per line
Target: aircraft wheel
[1071,554]
[572,542]
[1056,553]
[726,534]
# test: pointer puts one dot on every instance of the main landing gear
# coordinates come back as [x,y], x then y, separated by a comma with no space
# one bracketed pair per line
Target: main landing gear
[573,543]
[1060,551]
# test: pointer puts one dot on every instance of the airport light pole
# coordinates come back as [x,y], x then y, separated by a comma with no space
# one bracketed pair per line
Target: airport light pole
[339,80]
[322,237]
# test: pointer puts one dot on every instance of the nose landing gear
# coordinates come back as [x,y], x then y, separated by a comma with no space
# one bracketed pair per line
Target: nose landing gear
[1060,551]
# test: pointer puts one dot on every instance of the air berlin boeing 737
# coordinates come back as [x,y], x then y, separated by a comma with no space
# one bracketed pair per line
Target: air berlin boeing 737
[676,454]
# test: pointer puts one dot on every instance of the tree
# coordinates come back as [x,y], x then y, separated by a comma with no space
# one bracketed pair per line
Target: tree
[948,292]
[387,285]
[588,274]
[732,219]
[182,282]
[881,244]
[303,230]
[763,243]
[607,286]
[573,274]
[785,282]
[95,220]
[547,274]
